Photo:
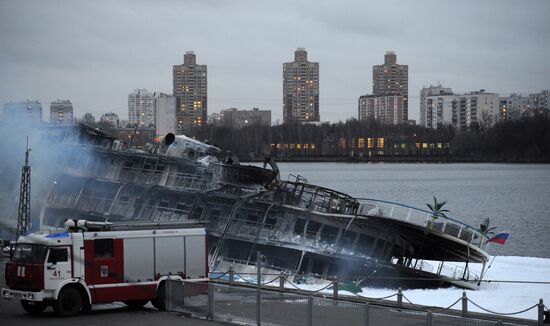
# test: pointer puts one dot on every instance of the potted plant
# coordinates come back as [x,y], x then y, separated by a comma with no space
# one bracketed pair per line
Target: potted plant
[437,209]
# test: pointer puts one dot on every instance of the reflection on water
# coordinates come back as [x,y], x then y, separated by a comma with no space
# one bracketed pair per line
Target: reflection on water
[516,197]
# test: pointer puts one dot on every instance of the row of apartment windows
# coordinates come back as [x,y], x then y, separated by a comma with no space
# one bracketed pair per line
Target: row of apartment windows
[370,142]
[294,146]
[379,142]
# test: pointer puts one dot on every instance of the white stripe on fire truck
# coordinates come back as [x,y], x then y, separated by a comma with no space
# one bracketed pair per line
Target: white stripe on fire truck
[99,286]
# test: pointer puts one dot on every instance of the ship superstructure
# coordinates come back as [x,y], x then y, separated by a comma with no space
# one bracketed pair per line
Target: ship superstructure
[301,229]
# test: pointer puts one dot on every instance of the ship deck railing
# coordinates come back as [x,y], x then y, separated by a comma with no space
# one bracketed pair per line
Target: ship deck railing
[317,198]
[251,263]
[437,222]
[451,271]
[263,233]
[117,206]
[193,181]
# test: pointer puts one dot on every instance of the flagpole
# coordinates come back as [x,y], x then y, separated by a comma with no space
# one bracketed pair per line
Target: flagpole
[495,256]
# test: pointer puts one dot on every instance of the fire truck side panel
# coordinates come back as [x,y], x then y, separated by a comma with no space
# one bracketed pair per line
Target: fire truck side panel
[195,252]
[105,256]
[143,291]
[139,262]
[170,255]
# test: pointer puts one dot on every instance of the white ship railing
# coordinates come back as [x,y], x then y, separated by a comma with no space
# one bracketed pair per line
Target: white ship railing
[424,218]
[444,269]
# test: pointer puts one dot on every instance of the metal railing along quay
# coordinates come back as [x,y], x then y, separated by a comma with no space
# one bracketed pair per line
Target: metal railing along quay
[242,304]
[276,301]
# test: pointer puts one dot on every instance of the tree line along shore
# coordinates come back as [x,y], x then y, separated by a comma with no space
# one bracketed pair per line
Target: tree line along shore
[524,140]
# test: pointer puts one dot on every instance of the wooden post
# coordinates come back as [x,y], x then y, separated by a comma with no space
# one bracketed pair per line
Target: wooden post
[335,289]
[281,282]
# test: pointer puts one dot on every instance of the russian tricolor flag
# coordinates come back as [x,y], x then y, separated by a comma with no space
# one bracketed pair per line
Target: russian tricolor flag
[499,238]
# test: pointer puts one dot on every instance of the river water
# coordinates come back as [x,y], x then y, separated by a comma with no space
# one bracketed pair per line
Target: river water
[516,197]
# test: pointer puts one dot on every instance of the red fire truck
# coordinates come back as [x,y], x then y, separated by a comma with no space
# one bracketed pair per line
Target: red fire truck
[94,262]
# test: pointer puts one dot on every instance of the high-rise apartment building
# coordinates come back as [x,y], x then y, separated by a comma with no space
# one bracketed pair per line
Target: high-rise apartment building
[540,101]
[61,112]
[235,118]
[29,111]
[386,109]
[514,106]
[392,79]
[477,108]
[442,109]
[190,86]
[165,114]
[517,106]
[301,89]
[425,92]
[140,108]
[110,118]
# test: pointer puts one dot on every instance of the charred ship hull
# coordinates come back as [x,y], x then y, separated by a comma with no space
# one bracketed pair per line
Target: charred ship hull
[301,229]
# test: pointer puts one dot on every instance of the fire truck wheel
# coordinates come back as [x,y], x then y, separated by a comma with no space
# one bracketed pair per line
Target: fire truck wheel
[68,303]
[159,301]
[34,307]
[136,304]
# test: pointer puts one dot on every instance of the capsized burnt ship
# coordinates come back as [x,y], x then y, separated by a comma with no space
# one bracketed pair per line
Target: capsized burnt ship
[301,229]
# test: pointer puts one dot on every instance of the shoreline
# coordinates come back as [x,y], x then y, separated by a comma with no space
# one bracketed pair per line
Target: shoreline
[434,160]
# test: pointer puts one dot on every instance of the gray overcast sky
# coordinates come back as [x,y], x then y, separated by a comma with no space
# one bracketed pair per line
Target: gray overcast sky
[96,52]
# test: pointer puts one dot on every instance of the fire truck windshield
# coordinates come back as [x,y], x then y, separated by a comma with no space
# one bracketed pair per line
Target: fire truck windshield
[29,253]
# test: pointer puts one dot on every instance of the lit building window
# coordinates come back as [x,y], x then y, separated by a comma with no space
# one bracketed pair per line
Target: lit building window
[298,146]
[380,142]
[361,142]
[342,143]
[370,142]
[313,146]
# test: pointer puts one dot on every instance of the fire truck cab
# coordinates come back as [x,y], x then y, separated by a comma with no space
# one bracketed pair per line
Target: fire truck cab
[92,262]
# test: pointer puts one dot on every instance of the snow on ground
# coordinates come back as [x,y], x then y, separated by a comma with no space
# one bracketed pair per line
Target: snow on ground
[498,297]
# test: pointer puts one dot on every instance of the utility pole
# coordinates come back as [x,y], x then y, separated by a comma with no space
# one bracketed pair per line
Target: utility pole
[24,212]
